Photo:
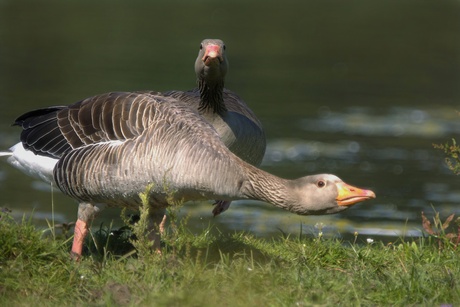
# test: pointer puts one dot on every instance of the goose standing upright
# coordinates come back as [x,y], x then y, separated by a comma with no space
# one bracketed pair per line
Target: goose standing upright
[234,121]
[104,151]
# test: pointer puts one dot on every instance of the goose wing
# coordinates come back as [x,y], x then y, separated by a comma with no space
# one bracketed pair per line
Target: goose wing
[55,131]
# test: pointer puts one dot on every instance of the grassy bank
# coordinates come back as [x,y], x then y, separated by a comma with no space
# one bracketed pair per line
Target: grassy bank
[224,270]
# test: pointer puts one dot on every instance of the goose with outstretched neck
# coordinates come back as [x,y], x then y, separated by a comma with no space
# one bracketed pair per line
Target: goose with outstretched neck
[105,150]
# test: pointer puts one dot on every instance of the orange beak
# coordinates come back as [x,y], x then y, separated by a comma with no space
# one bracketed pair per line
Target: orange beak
[211,54]
[350,195]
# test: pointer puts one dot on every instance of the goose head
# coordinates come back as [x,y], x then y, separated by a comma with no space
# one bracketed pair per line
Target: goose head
[325,194]
[211,65]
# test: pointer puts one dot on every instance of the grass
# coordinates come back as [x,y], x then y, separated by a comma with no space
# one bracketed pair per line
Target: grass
[237,269]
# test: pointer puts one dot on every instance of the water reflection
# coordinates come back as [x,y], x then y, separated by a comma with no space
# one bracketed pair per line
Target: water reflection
[394,122]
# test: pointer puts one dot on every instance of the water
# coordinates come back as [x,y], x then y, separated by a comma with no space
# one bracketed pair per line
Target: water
[359,89]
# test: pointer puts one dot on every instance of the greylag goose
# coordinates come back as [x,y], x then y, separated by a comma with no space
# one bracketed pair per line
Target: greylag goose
[105,150]
[236,124]
[238,127]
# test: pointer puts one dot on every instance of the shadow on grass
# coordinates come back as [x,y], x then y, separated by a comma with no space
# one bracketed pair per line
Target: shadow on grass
[117,243]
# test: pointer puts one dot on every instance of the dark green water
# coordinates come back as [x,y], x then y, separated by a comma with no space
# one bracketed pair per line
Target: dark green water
[360,89]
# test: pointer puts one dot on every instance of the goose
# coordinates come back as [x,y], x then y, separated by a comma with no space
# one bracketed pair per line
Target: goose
[234,121]
[104,151]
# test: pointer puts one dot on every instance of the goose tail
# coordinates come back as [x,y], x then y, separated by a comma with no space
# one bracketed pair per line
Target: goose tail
[34,165]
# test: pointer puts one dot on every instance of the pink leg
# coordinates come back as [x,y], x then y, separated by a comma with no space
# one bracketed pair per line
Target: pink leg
[86,213]
[81,230]
[162,225]
[156,227]
[161,229]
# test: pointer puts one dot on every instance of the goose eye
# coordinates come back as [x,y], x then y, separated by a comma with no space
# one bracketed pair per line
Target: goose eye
[321,184]
[225,47]
[201,46]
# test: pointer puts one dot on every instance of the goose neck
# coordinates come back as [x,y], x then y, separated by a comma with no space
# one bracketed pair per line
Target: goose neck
[211,97]
[269,188]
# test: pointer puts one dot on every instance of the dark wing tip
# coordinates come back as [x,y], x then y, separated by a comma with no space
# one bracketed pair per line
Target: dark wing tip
[29,117]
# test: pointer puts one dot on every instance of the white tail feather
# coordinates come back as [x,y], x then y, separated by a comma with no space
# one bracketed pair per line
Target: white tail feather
[33,165]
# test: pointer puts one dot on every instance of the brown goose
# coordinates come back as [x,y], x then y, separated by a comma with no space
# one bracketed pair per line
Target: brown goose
[238,127]
[104,151]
